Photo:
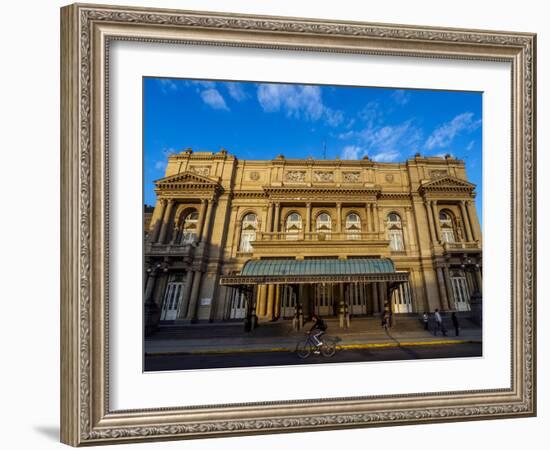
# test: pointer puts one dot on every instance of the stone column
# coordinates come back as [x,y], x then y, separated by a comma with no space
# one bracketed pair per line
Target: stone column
[375,301]
[433,206]
[409,226]
[193,303]
[277,312]
[269,220]
[186,295]
[466,221]
[261,308]
[428,207]
[277,217]
[368,218]
[466,209]
[150,285]
[206,228]
[450,295]
[270,301]
[158,224]
[442,289]
[479,280]
[382,296]
[202,214]
[166,221]
[308,218]
[339,217]
[376,226]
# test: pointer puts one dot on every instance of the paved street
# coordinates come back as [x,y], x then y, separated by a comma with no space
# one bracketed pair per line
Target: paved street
[252,359]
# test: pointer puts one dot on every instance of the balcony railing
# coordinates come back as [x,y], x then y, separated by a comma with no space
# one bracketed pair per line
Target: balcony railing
[450,246]
[170,249]
[315,236]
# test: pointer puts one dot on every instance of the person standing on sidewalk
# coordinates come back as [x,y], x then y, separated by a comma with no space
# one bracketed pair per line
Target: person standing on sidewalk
[425,320]
[455,323]
[439,323]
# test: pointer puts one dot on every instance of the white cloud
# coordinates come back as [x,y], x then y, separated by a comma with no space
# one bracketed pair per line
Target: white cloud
[167,85]
[403,136]
[297,102]
[160,165]
[213,98]
[470,146]
[236,92]
[444,135]
[401,97]
[351,152]
[388,156]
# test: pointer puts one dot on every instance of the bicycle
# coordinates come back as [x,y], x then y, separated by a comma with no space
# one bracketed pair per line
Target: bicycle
[308,346]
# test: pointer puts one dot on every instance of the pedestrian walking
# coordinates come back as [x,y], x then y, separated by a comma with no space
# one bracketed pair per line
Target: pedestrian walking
[455,323]
[385,320]
[439,323]
[425,320]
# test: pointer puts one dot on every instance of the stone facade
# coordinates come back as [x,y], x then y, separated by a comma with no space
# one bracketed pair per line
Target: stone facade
[215,212]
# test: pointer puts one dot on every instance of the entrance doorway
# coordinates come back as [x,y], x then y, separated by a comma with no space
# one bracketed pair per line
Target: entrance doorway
[288,301]
[461,293]
[356,298]
[172,300]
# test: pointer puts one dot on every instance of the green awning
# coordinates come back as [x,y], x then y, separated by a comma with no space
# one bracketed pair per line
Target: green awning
[317,266]
[278,271]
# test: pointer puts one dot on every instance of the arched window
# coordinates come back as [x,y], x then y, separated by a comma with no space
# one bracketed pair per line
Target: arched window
[293,226]
[190,224]
[353,226]
[395,233]
[323,226]
[447,227]
[249,226]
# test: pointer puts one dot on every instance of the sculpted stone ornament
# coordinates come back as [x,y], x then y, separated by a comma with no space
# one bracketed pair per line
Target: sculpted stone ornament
[254,176]
[296,176]
[351,177]
[389,177]
[438,173]
[201,170]
[324,176]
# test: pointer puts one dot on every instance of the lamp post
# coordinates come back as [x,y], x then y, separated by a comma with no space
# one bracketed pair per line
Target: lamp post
[151,310]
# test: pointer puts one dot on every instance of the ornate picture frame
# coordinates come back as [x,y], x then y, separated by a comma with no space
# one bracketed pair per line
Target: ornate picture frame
[86,34]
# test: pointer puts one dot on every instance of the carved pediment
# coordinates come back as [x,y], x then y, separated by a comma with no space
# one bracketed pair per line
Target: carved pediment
[187,180]
[447,183]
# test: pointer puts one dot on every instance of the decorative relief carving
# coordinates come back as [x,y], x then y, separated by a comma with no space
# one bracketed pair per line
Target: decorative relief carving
[389,177]
[254,176]
[351,177]
[438,173]
[201,170]
[297,176]
[323,176]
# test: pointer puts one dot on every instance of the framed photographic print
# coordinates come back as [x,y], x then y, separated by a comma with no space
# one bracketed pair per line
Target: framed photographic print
[277,224]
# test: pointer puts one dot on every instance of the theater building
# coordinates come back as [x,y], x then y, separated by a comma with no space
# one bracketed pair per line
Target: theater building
[279,239]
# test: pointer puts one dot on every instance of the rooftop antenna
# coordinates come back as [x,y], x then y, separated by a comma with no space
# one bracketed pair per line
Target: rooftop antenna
[324,150]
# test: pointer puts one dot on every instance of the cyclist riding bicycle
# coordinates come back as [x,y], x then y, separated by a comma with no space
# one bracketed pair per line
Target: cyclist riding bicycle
[318,329]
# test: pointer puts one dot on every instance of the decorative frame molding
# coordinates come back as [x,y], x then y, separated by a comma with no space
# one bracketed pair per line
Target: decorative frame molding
[86,31]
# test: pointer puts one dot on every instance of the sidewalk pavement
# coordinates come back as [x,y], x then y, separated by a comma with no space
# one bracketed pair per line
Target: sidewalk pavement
[238,342]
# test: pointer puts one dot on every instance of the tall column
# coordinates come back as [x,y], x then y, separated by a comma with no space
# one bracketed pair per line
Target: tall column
[192,311]
[270,301]
[150,285]
[186,295]
[375,301]
[277,312]
[376,225]
[166,221]
[158,224]
[479,280]
[382,295]
[409,226]
[206,228]
[442,289]
[277,217]
[308,217]
[450,295]
[466,221]
[368,218]
[474,222]
[202,214]
[428,207]
[269,222]
[433,207]
[262,300]
[339,217]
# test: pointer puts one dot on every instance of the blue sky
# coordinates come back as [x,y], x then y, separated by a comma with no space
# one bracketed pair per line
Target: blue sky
[262,120]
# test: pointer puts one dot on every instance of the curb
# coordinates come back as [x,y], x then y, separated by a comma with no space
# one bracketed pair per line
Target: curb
[338,347]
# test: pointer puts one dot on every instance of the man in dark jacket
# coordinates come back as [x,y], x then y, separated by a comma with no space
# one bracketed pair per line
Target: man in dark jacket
[455,323]
[318,329]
